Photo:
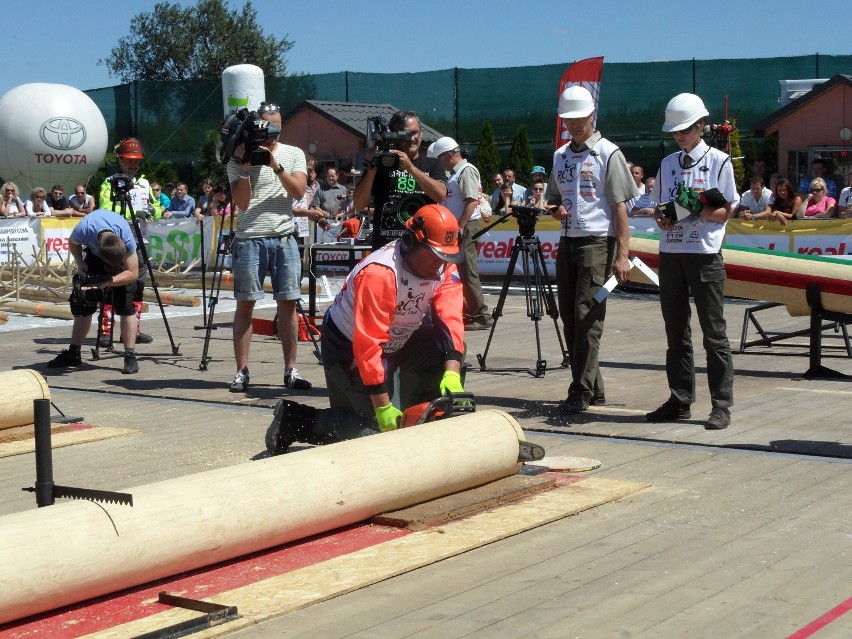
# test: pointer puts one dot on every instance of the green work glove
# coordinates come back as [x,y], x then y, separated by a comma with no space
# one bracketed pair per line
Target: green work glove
[690,200]
[451,383]
[388,417]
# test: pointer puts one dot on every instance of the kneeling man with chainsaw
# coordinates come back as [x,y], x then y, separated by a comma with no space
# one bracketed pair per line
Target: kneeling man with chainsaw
[393,338]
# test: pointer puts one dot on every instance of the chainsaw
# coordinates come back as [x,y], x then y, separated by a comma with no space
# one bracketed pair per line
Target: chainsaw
[452,405]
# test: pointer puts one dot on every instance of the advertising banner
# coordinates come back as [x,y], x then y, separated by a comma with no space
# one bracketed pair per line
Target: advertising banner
[19,235]
[178,241]
[55,232]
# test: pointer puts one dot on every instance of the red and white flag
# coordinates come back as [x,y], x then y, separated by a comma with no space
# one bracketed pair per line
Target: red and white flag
[585,73]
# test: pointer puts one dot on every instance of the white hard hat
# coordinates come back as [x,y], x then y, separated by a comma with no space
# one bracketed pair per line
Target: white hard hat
[683,111]
[575,102]
[441,145]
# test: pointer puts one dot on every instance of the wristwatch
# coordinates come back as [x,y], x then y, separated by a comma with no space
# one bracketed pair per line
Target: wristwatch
[279,170]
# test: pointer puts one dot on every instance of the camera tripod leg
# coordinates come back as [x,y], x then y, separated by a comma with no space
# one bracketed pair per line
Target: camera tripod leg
[126,205]
[497,313]
[539,299]
[550,305]
[223,245]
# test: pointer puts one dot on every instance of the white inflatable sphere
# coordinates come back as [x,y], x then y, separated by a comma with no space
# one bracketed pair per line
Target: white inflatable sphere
[50,134]
[243,85]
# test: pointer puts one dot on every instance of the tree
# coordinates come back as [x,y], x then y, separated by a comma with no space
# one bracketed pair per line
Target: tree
[196,42]
[210,166]
[520,155]
[736,152]
[487,156]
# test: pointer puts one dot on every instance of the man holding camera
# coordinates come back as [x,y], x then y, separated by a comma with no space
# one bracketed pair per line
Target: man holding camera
[129,154]
[589,188]
[109,262]
[265,177]
[419,180]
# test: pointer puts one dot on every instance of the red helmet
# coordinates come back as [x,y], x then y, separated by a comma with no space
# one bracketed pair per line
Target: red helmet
[130,148]
[434,226]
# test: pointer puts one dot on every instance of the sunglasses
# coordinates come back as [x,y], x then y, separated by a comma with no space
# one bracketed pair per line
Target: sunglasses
[10,190]
[684,131]
[538,189]
[156,190]
[816,190]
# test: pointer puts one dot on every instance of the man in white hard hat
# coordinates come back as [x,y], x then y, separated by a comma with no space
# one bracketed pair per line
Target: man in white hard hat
[464,189]
[589,188]
[691,261]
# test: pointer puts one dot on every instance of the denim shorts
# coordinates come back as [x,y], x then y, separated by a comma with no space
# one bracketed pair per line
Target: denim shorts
[257,257]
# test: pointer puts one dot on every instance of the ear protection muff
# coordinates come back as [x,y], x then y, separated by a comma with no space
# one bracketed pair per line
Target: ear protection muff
[415,234]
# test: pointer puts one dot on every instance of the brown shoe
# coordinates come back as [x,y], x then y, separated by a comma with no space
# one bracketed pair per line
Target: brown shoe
[670,411]
[598,399]
[720,418]
[575,403]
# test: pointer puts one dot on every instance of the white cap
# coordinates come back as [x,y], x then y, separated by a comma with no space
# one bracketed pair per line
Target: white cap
[576,102]
[682,111]
[441,145]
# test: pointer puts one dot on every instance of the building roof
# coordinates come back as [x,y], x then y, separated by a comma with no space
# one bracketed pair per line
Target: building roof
[353,116]
[804,100]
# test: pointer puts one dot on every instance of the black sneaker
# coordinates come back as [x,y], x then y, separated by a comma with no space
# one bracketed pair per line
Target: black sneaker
[293,380]
[241,381]
[143,338]
[131,366]
[575,403]
[291,422]
[66,359]
[670,411]
[720,418]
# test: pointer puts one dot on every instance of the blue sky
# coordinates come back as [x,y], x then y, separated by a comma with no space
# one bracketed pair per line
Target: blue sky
[60,42]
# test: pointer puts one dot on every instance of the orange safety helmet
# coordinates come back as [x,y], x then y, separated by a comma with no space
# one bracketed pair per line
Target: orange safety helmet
[434,226]
[129,148]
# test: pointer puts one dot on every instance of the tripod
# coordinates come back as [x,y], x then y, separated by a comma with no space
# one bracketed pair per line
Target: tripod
[538,292]
[223,248]
[123,196]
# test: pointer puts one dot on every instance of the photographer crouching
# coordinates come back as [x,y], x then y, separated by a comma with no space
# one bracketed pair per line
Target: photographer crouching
[265,177]
[398,177]
[104,249]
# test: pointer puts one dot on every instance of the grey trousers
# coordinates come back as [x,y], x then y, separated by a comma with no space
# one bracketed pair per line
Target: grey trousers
[703,275]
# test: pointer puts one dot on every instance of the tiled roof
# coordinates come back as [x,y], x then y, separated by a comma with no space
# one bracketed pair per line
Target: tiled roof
[354,116]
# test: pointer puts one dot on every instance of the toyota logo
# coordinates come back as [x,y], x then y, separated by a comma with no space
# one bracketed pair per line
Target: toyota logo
[63,134]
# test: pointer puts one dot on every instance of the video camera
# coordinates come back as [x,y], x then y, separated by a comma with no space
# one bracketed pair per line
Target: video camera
[527,217]
[380,136]
[120,185]
[249,129]
[86,289]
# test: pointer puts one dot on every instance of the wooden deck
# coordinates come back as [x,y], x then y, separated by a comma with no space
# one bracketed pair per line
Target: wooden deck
[743,532]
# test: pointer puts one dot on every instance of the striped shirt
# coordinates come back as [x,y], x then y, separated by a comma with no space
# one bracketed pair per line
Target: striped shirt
[269,212]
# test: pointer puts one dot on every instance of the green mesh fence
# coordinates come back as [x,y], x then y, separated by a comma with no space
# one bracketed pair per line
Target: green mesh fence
[172,117]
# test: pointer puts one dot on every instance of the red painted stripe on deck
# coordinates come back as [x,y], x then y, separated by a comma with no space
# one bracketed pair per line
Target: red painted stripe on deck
[821,622]
[112,610]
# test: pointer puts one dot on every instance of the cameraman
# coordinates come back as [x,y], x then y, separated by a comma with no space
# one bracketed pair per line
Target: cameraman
[265,241]
[110,262]
[129,154]
[419,179]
